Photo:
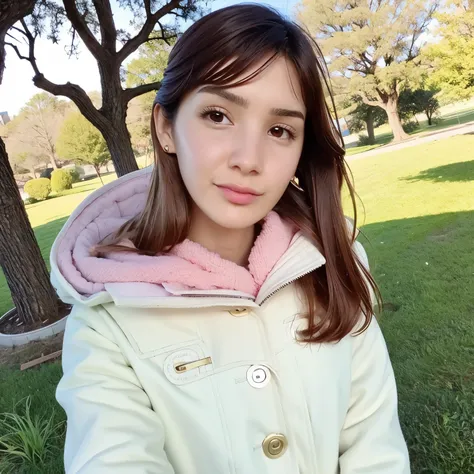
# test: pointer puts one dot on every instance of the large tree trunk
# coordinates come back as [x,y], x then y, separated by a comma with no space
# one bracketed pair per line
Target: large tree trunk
[394,119]
[118,141]
[369,122]
[20,257]
[114,129]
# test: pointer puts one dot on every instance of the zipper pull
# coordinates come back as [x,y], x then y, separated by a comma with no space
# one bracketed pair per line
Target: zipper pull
[180,368]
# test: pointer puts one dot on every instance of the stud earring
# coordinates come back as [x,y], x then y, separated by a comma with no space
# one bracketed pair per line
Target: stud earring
[166,148]
[296,183]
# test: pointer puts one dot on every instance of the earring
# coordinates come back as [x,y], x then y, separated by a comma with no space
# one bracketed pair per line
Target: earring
[166,148]
[296,183]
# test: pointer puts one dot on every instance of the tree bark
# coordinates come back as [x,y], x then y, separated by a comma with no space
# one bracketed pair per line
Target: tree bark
[428,115]
[369,123]
[20,256]
[394,119]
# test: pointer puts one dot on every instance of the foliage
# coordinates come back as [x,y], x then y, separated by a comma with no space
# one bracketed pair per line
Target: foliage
[61,180]
[75,175]
[93,24]
[81,142]
[418,101]
[359,117]
[26,439]
[410,126]
[451,60]
[38,189]
[43,115]
[372,47]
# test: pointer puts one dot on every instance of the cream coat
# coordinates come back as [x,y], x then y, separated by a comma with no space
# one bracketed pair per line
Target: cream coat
[135,407]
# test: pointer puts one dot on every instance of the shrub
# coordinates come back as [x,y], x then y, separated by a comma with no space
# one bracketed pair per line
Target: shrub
[410,126]
[363,140]
[61,180]
[38,189]
[75,175]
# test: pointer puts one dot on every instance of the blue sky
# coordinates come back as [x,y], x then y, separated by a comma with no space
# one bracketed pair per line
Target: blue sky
[17,86]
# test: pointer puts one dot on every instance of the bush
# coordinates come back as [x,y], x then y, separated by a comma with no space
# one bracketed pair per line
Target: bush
[38,189]
[61,180]
[75,175]
[364,140]
[410,126]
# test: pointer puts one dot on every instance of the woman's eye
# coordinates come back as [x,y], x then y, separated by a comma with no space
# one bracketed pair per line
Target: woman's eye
[280,132]
[216,116]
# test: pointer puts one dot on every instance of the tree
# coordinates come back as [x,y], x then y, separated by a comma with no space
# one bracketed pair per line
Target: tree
[416,102]
[372,46]
[368,117]
[148,67]
[20,256]
[451,60]
[82,143]
[44,114]
[92,21]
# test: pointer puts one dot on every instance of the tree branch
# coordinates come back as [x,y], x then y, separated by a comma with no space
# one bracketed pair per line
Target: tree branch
[80,25]
[72,91]
[373,103]
[16,50]
[129,94]
[133,43]
[108,31]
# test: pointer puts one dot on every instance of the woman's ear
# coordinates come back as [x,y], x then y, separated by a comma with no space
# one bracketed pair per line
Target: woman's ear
[164,130]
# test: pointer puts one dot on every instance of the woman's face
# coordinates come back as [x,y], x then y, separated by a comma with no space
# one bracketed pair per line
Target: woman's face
[238,148]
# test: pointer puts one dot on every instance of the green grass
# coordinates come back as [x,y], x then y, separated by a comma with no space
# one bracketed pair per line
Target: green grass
[418,231]
[457,114]
[419,226]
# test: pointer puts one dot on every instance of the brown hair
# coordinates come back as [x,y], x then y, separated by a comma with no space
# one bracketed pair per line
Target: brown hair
[239,36]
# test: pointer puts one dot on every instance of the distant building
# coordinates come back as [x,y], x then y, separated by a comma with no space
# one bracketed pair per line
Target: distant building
[4,118]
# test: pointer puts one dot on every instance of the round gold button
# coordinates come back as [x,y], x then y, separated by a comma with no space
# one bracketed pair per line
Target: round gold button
[275,445]
[237,312]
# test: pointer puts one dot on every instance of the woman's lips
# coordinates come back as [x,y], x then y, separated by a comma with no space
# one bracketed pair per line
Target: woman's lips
[238,195]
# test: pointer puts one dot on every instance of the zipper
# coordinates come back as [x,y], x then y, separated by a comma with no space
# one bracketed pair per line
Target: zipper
[284,285]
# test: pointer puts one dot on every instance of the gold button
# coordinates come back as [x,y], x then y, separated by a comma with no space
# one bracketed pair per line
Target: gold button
[237,312]
[275,445]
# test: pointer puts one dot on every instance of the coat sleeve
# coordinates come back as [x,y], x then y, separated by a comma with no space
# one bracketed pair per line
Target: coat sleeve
[111,426]
[371,441]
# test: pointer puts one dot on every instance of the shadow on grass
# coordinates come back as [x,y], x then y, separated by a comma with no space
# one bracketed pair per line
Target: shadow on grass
[425,268]
[454,172]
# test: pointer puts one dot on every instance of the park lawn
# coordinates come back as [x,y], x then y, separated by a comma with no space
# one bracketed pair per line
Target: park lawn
[457,114]
[417,230]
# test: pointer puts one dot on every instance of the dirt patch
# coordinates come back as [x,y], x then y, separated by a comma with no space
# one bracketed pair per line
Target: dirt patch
[446,234]
[15,356]
[391,307]
[13,325]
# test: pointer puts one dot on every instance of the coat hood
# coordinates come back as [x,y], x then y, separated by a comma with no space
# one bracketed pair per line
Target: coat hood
[188,268]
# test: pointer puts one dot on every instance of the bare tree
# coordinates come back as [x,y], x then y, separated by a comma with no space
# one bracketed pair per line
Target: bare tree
[92,21]
[20,256]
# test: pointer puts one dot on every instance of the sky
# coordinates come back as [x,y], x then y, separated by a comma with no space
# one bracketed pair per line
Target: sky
[17,87]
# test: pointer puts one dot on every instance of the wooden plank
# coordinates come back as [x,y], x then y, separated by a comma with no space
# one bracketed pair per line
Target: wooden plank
[40,360]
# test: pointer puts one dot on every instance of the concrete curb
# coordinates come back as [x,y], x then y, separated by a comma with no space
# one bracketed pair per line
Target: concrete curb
[12,340]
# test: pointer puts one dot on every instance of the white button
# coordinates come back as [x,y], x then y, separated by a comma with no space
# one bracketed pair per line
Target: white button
[258,376]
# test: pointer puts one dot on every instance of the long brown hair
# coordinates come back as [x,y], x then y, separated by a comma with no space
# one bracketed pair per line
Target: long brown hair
[217,50]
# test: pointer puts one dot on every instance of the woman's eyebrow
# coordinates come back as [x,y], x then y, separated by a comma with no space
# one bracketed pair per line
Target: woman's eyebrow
[239,100]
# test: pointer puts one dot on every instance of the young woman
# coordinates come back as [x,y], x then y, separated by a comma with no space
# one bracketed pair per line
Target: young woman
[222,319]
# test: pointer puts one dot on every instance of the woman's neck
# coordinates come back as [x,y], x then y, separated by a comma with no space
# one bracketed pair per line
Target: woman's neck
[231,244]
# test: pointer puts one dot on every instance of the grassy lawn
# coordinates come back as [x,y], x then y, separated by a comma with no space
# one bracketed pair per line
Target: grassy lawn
[457,114]
[418,231]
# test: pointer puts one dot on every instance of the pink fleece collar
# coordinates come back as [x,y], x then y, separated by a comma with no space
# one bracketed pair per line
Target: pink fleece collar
[189,265]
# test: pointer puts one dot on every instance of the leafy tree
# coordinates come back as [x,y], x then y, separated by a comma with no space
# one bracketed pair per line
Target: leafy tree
[82,143]
[419,101]
[373,46]
[20,256]
[451,60]
[368,117]
[92,22]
